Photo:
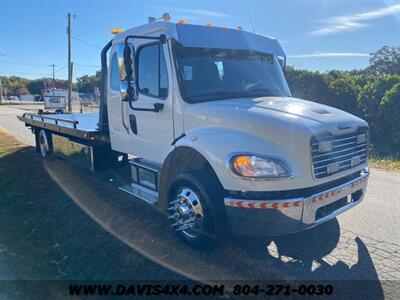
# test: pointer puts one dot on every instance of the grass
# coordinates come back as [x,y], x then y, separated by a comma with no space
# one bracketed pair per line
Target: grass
[384,163]
[44,235]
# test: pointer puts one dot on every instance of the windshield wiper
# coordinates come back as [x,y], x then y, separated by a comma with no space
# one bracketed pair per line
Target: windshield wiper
[270,92]
[219,94]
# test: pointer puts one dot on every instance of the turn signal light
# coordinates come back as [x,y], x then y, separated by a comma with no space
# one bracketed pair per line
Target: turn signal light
[252,166]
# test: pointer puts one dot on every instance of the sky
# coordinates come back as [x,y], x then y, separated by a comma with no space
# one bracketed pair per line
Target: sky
[315,34]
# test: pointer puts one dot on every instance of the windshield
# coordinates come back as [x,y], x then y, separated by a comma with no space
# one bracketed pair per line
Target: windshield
[207,74]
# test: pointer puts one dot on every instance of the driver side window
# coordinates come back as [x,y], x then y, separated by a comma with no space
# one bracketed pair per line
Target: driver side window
[152,71]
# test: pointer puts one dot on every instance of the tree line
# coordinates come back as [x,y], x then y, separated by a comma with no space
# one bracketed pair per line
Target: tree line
[372,94]
[16,86]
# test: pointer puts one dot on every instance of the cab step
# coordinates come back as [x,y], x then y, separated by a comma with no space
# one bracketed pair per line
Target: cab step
[141,192]
[146,164]
[145,179]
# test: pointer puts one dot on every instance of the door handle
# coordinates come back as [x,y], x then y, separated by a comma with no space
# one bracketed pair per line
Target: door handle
[123,117]
[157,107]
[132,121]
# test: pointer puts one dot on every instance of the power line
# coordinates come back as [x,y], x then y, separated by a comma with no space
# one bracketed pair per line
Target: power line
[47,75]
[23,63]
[85,42]
[60,69]
[87,66]
[45,66]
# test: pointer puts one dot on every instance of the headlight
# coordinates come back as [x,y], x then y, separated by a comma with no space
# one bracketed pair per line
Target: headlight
[253,166]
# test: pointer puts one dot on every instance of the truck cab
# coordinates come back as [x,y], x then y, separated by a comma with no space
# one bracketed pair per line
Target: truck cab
[214,137]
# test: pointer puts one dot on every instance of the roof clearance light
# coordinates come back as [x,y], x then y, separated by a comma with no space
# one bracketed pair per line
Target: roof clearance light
[166,17]
[182,21]
[209,24]
[117,30]
[225,27]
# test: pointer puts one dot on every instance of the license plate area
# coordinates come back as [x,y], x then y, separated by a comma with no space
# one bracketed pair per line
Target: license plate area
[326,210]
[330,208]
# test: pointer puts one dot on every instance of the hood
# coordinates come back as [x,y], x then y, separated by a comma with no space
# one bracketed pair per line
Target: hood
[286,109]
[277,126]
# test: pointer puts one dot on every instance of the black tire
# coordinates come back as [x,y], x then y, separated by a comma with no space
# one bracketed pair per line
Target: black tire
[206,237]
[44,143]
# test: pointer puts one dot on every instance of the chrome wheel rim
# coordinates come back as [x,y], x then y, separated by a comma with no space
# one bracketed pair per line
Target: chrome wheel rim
[44,145]
[186,213]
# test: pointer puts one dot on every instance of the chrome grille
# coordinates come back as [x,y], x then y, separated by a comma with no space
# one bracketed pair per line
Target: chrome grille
[332,154]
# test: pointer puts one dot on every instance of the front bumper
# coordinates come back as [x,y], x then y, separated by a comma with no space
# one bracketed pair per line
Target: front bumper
[276,217]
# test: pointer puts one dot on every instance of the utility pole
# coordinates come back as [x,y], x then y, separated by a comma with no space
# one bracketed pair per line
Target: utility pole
[69,64]
[54,78]
[1,86]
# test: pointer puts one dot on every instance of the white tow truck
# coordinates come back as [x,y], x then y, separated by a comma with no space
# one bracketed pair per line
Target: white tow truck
[206,120]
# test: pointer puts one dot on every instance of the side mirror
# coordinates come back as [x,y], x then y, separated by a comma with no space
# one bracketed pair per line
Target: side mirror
[129,66]
[128,62]
[282,63]
[127,70]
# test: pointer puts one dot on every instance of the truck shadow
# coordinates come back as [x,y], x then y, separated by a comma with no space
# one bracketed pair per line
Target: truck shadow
[322,255]
[318,254]
[304,256]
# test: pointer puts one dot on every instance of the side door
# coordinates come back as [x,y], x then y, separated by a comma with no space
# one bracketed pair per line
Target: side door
[154,129]
[118,113]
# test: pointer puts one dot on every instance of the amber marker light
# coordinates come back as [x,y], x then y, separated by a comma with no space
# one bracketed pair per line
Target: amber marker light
[117,30]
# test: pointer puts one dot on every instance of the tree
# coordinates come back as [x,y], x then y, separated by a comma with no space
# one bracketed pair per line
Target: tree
[385,61]
[307,85]
[370,103]
[391,112]
[87,84]
[15,85]
[344,93]
[36,86]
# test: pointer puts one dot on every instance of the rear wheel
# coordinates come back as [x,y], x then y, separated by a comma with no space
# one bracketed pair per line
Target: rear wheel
[189,214]
[44,143]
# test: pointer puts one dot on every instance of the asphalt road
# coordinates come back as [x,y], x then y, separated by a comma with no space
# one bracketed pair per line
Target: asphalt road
[364,243]
[9,121]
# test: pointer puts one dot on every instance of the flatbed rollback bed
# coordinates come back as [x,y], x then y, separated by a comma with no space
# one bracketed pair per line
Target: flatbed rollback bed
[73,136]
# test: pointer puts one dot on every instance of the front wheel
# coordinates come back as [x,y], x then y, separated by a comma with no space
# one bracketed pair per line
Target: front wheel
[189,214]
